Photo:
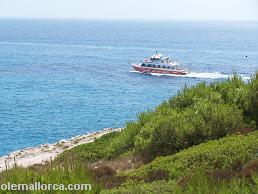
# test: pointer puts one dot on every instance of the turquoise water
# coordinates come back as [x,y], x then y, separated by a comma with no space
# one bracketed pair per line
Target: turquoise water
[62,78]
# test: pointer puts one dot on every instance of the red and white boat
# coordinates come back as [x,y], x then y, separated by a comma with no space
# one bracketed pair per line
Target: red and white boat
[160,64]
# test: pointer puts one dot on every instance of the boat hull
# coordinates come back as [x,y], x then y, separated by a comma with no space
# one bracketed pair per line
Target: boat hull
[158,70]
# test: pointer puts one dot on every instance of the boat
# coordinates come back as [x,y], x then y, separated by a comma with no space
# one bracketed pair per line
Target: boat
[160,64]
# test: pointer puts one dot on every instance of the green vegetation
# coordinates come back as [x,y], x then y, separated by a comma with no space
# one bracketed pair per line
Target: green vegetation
[224,153]
[207,131]
[91,152]
[162,186]
[70,173]
[197,114]
[199,185]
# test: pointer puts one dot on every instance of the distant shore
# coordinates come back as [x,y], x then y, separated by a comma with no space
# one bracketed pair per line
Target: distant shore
[47,152]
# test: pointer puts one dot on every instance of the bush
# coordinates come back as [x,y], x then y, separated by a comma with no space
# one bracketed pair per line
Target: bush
[132,187]
[251,110]
[177,130]
[215,154]
[204,184]
[94,151]
[200,184]
[157,137]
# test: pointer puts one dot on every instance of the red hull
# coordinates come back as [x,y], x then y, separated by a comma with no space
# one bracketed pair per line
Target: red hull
[157,70]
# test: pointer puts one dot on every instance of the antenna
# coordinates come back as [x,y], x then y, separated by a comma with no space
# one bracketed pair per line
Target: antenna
[156,52]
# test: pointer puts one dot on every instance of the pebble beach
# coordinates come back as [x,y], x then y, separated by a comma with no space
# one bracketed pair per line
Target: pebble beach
[45,153]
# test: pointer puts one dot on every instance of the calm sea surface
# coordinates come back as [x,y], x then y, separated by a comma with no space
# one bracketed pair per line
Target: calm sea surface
[63,78]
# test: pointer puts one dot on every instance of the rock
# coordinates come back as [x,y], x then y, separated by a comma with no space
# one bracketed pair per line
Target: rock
[62,141]
[45,146]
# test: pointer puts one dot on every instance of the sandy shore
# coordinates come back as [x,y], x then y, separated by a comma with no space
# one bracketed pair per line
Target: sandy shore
[47,152]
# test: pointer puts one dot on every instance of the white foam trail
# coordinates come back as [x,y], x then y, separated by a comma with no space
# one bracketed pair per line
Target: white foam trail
[245,77]
[201,75]
[207,75]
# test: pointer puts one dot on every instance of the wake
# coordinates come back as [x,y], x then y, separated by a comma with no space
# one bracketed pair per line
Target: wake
[200,75]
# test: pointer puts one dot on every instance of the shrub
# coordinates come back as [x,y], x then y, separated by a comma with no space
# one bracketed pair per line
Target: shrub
[251,110]
[94,151]
[201,184]
[196,115]
[215,154]
[177,130]
[204,184]
[131,187]
[158,136]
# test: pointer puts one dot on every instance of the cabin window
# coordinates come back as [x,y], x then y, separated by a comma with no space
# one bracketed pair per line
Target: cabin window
[148,65]
[153,65]
[143,65]
[158,66]
[168,67]
[163,66]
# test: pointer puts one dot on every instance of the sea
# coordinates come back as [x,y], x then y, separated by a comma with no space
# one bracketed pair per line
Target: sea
[62,78]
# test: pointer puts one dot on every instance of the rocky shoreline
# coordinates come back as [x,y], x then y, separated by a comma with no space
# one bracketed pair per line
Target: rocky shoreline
[47,152]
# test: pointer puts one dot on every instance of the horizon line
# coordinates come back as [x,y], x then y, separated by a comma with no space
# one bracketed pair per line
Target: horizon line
[121,19]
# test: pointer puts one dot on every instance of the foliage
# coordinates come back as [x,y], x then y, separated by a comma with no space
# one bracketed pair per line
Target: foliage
[215,154]
[197,114]
[177,130]
[202,184]
[90,152]
[131,187]
[251,109]
[70,173]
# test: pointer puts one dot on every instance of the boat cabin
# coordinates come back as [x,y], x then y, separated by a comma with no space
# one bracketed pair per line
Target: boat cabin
[163,66]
